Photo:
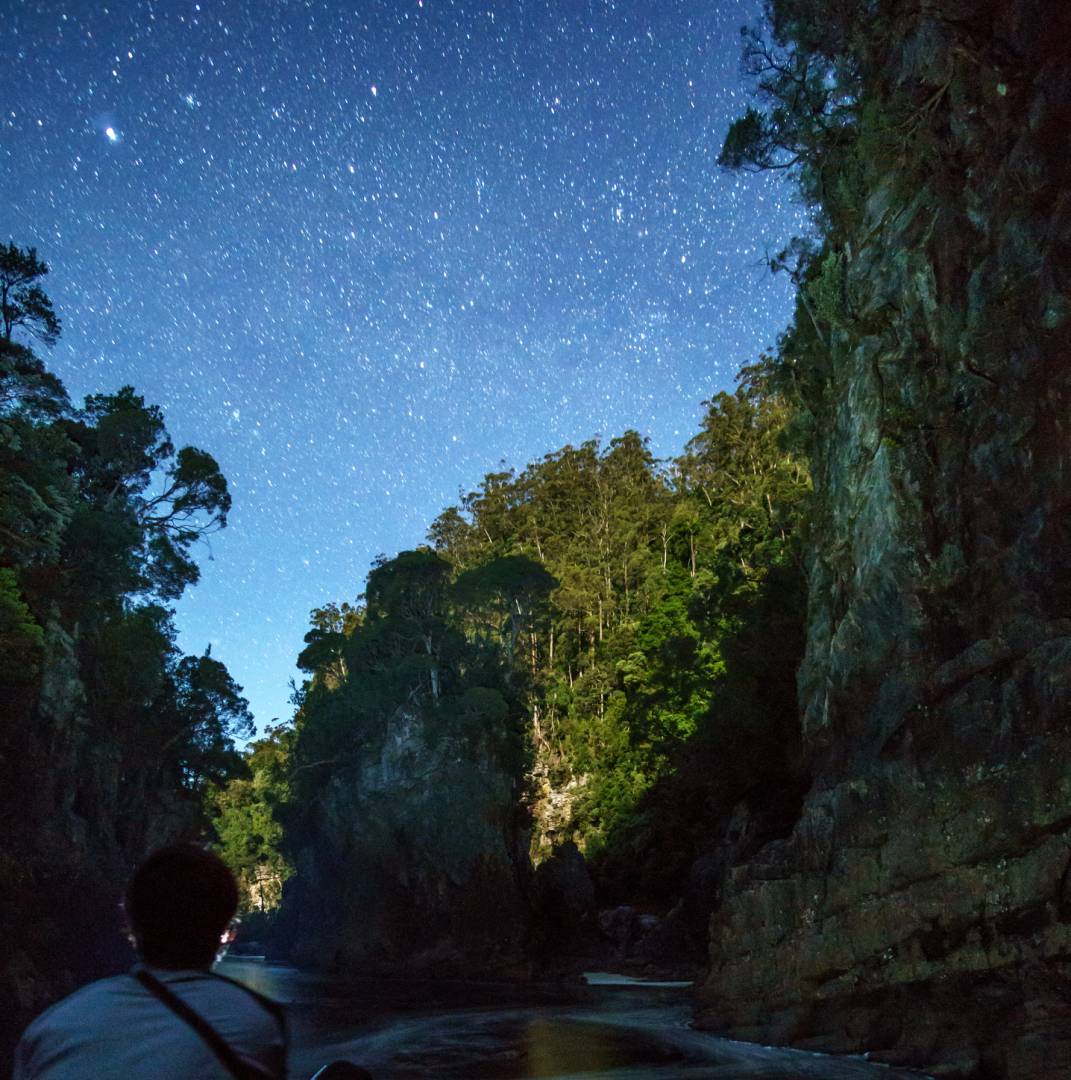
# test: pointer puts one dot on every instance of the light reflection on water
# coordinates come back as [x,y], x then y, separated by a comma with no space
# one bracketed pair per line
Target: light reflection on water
[407,1031]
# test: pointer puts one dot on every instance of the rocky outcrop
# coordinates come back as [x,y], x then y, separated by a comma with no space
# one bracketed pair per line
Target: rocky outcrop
[61,865]
[415,864]
[78,811]
[921,908]
[563,895]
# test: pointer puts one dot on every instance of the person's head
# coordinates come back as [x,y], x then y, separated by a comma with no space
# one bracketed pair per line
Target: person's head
[178,905]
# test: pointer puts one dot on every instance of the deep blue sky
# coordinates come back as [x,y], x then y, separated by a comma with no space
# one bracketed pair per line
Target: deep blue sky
[361,252]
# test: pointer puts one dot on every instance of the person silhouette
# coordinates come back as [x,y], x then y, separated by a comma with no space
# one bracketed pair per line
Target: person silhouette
[171,1017]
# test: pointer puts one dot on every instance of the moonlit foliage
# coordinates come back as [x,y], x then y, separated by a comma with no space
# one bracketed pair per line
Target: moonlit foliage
[361,252]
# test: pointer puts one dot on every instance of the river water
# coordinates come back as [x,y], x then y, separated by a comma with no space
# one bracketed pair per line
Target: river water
[609,1030]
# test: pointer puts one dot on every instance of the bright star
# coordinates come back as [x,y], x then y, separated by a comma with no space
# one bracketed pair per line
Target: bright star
[113,135]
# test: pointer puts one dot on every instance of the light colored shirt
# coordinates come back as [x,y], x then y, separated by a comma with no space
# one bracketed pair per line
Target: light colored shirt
[116,1028]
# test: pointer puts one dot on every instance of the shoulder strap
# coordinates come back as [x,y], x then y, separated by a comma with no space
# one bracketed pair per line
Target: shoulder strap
[238,1068]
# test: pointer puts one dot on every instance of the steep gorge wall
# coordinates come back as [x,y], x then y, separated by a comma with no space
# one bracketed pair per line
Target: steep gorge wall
[76,815]
[921,909]
[413,862]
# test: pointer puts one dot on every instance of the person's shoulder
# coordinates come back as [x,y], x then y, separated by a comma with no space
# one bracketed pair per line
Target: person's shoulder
[88,998]
[211,992]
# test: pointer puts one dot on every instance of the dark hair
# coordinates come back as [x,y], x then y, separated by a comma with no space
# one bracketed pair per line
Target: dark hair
[178,904]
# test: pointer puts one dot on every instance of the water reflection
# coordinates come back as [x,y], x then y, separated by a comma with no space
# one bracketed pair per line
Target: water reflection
[555,1047]
[410,1031]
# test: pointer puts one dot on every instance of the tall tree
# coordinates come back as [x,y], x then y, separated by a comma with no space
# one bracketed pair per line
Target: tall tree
[513,587]
[143,503]
[24,306]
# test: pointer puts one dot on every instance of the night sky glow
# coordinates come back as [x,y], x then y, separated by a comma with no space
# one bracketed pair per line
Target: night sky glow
[362,251]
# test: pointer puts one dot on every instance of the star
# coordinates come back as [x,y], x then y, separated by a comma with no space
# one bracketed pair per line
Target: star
[522,239]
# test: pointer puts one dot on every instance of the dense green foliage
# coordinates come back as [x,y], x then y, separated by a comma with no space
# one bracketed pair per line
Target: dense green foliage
[100,514]
[399,787]
[410,647]
[109,735]
[620,634]
[244,815]
[641,663]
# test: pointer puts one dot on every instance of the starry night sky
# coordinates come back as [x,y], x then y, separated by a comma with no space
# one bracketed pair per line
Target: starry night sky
[363,251]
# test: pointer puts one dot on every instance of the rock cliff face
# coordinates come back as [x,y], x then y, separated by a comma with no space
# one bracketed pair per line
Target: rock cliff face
[77,813]
[921,908]
[414,863]
[61,862]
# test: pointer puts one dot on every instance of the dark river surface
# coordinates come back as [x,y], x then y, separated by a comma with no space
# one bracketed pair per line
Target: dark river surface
[604,1031]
